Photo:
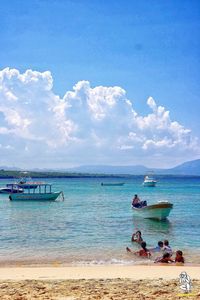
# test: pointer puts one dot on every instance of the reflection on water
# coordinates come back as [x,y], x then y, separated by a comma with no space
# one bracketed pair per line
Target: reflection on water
[146,225]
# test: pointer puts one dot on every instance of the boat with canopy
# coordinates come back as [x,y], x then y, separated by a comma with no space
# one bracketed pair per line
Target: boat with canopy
[43,192]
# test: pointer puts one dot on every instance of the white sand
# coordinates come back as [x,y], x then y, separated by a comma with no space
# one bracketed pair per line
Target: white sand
[98,272]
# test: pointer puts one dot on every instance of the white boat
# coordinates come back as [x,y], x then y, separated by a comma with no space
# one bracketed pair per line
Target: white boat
[43,192]
[10,189]
[159,211]
[149,180]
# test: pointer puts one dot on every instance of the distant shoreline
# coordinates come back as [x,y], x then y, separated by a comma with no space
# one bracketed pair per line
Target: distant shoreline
[16,174]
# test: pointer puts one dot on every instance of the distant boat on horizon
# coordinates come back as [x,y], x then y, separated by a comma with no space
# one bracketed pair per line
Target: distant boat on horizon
[113,184]
[149,180]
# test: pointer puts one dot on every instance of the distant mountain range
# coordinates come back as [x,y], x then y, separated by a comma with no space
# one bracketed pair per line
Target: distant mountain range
[187,168]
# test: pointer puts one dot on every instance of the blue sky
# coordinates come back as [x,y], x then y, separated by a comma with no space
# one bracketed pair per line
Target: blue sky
[145,48]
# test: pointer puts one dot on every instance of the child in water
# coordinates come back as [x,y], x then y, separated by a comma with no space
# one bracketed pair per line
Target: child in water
[144,252]
[137,237]
[165,259]
[158,248]
[179,257]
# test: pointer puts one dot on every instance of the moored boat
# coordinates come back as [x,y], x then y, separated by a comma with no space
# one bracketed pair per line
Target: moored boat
[11,189]
[43,192]
[159,211]
[113,184]
[149,180]
[26,182]
[28,185]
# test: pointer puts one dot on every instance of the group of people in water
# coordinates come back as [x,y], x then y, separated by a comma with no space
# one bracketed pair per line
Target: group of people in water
[162,247]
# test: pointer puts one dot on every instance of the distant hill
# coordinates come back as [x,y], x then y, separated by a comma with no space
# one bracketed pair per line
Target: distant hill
[187,168]
[106,169]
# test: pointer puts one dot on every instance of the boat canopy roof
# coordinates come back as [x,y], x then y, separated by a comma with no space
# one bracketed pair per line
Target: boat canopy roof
[31,183]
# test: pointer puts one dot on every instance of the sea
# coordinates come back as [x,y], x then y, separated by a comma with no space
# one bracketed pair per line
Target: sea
[94,223]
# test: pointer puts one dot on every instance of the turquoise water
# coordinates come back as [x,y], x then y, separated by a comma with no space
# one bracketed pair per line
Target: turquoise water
[95,223]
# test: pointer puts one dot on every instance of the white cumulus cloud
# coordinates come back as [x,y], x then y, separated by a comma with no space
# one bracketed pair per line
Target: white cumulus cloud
[88,125]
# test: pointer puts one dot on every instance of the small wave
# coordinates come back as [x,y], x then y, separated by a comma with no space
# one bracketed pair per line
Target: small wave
[113,261]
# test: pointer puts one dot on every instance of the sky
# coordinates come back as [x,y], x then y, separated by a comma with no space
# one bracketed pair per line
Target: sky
[99,83]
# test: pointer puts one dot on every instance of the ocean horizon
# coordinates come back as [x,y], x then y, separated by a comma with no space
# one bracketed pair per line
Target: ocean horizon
[95,223]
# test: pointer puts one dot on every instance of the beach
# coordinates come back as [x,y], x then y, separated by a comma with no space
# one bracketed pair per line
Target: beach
[97,282]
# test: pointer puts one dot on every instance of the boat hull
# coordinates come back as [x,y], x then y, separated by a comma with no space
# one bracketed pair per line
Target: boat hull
[34,196]
[158,211]
[149,183]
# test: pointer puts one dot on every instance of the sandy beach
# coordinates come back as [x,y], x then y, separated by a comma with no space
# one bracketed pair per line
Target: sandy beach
[97,282]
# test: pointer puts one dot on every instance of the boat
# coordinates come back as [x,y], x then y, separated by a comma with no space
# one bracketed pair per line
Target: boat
[113,184]
[43,192]
[26,182]
[10,189]
[149,180]
[158,211]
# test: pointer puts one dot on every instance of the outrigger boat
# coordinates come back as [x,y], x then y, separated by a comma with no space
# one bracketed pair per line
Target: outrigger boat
[43,192]
[159,211]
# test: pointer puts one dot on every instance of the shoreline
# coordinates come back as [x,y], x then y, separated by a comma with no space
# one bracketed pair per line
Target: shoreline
[58,261]
[139,272]
[82,264]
